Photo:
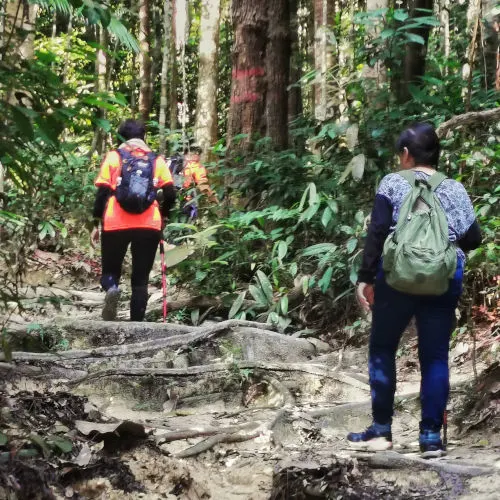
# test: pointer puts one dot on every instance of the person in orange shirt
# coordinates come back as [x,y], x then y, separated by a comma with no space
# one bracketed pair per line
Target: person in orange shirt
[128,185]
[194,178]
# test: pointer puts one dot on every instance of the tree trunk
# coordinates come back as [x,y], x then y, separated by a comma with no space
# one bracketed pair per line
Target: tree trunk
[374,76]
[248,76]
[445,26]
[144,61]
[156,51]
[491,44]
[473,30]
[101,69]
[174,74]
[295,92]
[324,17]
[162,119]
[278,72]
[205,129]
[19,34]
[415,57]
[67,49]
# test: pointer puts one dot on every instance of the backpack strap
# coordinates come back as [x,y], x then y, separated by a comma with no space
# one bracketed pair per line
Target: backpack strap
[408,176]
[435,180]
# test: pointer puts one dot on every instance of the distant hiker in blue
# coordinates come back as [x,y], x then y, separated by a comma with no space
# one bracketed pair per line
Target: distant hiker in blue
[403,277]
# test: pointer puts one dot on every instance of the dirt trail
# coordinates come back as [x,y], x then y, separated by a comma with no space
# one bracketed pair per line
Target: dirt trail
[217,416]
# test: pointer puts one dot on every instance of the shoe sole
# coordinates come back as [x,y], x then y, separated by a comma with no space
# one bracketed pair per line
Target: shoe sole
[110,305]
[375,444]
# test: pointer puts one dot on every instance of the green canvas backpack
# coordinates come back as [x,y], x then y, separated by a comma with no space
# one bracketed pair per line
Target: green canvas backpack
[418,257]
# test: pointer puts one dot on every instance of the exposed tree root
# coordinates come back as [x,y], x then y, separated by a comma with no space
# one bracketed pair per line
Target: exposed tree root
[310,369]
[235,437]
[182,342]
[394,460]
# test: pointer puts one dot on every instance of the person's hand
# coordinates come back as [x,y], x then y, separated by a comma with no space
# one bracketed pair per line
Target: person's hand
[366,295]
[95,237]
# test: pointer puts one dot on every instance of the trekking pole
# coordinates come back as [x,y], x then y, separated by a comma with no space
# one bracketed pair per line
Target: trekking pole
[445,429]
[163,278]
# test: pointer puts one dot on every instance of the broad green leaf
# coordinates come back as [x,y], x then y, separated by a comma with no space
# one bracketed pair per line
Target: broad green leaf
[308,214]
[303,199]
[284,305]
[327,216]
[413,37]
[266,286]
[235,308]
[318,249]
[258,295]
[282,250]
[305,285]
[40,442]
[324,282]
[358,167]
[176,255]
[347,230]
[3,439]
[334,206]
[401,15]
[351,245]
[293,269]
[313,194]
[353,276]
[64,445]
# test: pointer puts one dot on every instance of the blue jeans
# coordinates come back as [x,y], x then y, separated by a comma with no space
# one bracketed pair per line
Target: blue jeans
[435,317]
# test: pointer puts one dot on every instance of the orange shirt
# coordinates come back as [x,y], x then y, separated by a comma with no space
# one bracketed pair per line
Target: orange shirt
[117,219]
[194,174]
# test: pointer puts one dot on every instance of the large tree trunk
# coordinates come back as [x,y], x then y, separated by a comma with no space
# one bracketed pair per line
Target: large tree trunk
[473,30]
[445,27]
[174,76]
[19,30]
[205,128]
[324,17]
[415,57]
[278,73]
[491,44]
[295,93]
[248,83]
[374,77]
[162,119]
[101,69]
[144,61]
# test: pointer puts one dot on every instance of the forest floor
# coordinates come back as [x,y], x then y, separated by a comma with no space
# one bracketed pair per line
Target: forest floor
[228,410]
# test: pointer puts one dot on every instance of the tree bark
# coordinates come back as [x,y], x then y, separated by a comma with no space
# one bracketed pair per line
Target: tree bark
[205,129]
[144,60]
[445,26]
[375,76]
[415,56]
[248,88]
[278,72]
[324,17]
[162,119]
[491,43]
[295,93]
[174,77]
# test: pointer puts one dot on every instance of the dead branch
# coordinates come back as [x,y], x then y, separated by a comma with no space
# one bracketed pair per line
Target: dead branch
[197,432]
[473,117]
[394,460]
[317,370]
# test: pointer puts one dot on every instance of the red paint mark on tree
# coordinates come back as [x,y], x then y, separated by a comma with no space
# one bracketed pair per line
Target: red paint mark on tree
[240,74]
[246,97]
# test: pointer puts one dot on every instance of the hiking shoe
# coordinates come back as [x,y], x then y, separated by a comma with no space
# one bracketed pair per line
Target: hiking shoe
[431,445]
[371,439]
[111,303]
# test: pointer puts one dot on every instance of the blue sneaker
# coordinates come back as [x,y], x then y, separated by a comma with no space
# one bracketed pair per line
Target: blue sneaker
[431,445]
[371,439]
[111,303]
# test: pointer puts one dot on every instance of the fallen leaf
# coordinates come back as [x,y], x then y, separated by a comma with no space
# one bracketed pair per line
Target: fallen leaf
[84,456]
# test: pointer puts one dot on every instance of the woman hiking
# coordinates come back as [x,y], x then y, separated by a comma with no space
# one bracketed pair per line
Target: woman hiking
[402,277]
[126,205]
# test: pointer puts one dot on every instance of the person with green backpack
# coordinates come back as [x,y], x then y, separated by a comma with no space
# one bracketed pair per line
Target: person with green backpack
[413,265]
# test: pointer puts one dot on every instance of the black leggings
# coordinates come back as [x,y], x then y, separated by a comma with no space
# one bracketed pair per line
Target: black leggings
[114,245]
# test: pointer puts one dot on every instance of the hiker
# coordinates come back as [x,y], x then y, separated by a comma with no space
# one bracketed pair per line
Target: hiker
[129,182]
[192,179]
[417,212]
